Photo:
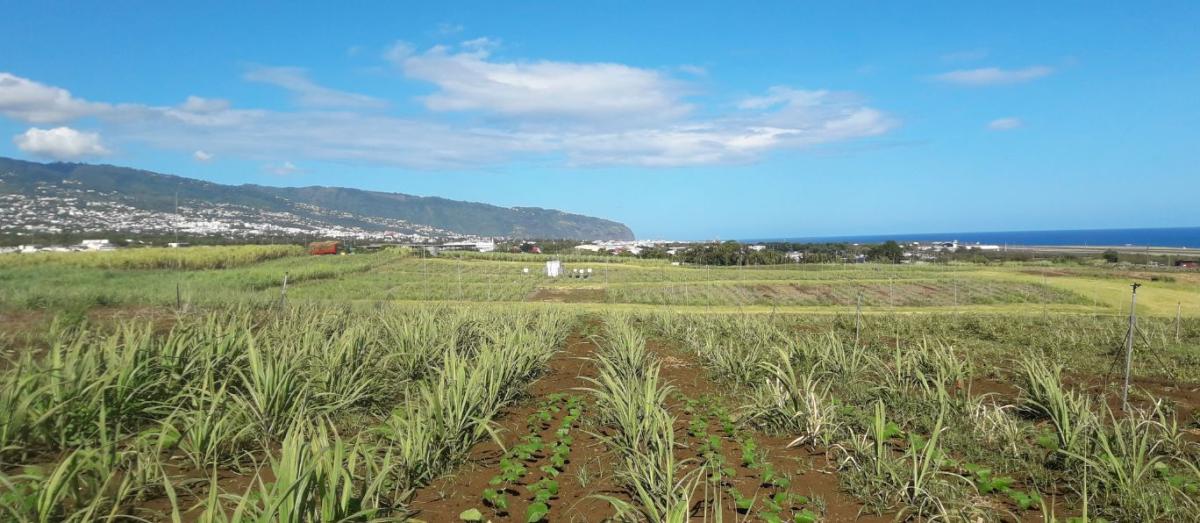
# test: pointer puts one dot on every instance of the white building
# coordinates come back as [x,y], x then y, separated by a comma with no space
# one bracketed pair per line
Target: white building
[96,245]
[554,268]
[480,246]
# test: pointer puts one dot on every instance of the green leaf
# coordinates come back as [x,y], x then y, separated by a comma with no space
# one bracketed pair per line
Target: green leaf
[471,514]
[804,516]
[536,512]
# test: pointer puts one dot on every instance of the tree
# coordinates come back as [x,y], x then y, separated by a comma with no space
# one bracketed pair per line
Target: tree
[1111,256]
[887,251]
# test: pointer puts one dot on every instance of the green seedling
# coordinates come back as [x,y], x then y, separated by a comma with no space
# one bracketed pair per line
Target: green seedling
[496,499]
[804,516]
[529,447]
[985,482]
[544,490]
[510,472]
[472,515]
[728,426]
[1025,501]
[536,512]
[1048,441]
[740,502]
[774,479]
[749,453]
[558,460]
[891,430]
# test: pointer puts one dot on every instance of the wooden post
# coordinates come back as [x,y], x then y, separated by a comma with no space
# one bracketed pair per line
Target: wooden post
[179,300]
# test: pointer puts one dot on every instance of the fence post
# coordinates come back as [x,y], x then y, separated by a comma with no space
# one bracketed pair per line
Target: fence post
[858,320]
[1178,305]
[1129,347]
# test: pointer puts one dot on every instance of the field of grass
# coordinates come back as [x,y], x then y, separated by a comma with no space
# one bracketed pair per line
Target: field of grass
[390,386]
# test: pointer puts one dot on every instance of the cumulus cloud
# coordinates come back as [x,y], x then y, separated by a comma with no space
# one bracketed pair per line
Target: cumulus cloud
[782,118]
[398,51]
[536,111]
[468,79]
[33,102]
[1005,124]
[283,169]
[60,143]
[448,29]
[309,93]
[994,76]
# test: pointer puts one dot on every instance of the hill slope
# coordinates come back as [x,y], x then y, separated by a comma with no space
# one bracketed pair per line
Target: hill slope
[75,196]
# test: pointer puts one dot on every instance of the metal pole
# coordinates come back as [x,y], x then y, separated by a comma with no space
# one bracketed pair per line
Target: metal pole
[857,320]
[179,300]
[892,292]
[1178,305]
[1129,346]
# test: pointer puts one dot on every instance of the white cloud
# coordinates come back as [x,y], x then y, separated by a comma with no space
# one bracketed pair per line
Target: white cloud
[694,70]
[202,156]
[398,51]
[994,75]
[468,79]
[283,169]
[34,102]
[309,93]
[782,118]
[60,143]
[1005,124]
[448,29]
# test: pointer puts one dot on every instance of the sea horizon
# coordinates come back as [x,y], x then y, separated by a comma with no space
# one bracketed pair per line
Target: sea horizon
[1168,237]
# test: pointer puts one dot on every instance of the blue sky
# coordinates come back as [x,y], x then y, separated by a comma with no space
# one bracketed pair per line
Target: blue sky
[681,119]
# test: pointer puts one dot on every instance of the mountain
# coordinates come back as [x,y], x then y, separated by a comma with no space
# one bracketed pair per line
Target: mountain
[55,197]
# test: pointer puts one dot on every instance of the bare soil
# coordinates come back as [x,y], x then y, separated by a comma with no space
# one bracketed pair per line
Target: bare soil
[569,295]
[589,470]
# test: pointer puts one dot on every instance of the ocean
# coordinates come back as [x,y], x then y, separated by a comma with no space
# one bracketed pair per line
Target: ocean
[1180,237]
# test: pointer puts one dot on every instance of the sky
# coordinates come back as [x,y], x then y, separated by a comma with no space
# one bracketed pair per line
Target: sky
[683,120]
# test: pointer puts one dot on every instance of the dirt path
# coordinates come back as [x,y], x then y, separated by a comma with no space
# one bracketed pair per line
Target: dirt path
[589,469]
[810,473]
[584,295]
[587,472]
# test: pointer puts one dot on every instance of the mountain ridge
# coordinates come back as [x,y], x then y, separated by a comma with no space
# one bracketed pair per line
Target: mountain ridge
[82,185]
